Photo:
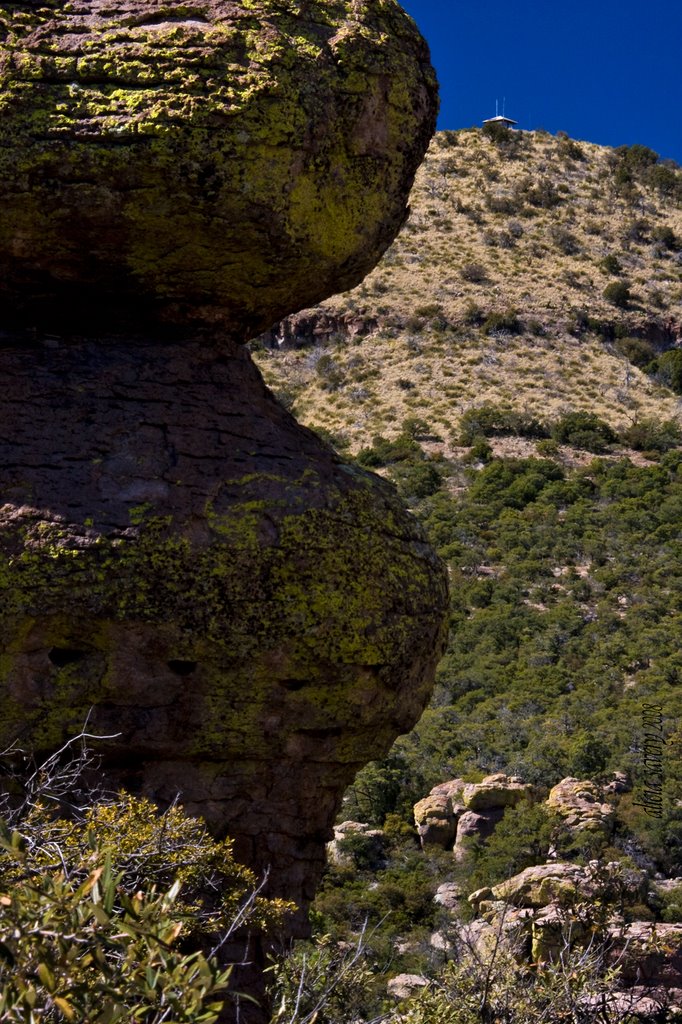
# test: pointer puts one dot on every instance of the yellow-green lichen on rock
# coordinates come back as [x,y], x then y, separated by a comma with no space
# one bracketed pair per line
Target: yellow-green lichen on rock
[247,618]
[203,162]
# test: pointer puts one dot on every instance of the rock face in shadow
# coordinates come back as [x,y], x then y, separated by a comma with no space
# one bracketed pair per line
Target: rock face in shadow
[181,563]
[204,161]
[255,618]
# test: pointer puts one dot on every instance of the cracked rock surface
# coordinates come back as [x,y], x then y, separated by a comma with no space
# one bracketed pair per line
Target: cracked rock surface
[179,558]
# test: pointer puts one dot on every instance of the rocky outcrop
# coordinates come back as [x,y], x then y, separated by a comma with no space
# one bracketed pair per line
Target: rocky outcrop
[648,953]
[204,161]
[435,820]
[457,812]
[541,884]
[496,791]
[472,826]
[316,327]
[449,895]
[181,564]
[405,985]
[578,804]
[357,839]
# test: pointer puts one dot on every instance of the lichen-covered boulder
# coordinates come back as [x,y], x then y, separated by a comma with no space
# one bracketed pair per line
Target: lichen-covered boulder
[356,844]
[202,162]
[496,791]
[183,566]
[435,821]
[542,884]
[578,804]
[402,986]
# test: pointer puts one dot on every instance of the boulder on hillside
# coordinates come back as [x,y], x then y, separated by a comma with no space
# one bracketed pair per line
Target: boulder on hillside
[405,985]
[475,825]
[453,789]
[495,791]
[578,803]
[541,884]
[449,895]
[455,810]
[435,821]
[353,840]
[620,783]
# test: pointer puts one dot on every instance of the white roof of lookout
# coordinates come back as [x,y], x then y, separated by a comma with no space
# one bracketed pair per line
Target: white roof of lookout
[500,119]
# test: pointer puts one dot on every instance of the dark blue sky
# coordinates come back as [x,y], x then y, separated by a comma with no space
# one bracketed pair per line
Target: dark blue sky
[608,71]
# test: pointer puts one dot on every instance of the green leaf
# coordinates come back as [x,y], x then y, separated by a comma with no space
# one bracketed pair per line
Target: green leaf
[46,976]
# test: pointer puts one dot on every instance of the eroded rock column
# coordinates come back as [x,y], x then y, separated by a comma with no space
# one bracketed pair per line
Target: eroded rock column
[179,559]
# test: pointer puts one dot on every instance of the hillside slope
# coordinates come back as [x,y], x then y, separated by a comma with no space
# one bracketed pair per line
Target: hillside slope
[494,292]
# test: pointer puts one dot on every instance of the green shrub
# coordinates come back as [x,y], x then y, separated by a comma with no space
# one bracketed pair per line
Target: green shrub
[665,235]
[564,240]
[473,272]
[547,448]
[611,265]
[474,315]
[668,369]
[638,230]
[653,435]
[637,350]
[520,840]
[416,480]
[490,420]
[480,451]
[671,910]
[104,918]
[504,323]
[618,294]
[637,157]
[384,452]
[329,372]
[583,430]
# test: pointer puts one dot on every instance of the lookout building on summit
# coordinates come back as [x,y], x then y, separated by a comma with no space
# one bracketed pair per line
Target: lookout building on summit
[506,122]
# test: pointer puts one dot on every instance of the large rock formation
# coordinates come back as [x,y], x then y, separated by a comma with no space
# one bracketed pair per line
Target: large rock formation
[202,161]
[456,811]
[181,563]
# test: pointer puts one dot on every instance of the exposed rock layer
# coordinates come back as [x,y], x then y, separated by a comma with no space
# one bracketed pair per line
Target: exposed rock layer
[204,161]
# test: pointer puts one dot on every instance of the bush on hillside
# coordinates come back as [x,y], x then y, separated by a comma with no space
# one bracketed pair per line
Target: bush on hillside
[652,435]
[584,430]
[475,273]
[618,294]
[668,369]
[384,452]
[638,350]
[490,420]
[665,236]
[503,323]
[611,265]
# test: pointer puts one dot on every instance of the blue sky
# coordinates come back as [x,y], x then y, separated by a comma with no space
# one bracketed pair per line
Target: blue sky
[608,71]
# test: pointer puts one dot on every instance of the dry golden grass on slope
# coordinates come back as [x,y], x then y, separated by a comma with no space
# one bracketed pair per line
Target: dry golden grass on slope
[494,231]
